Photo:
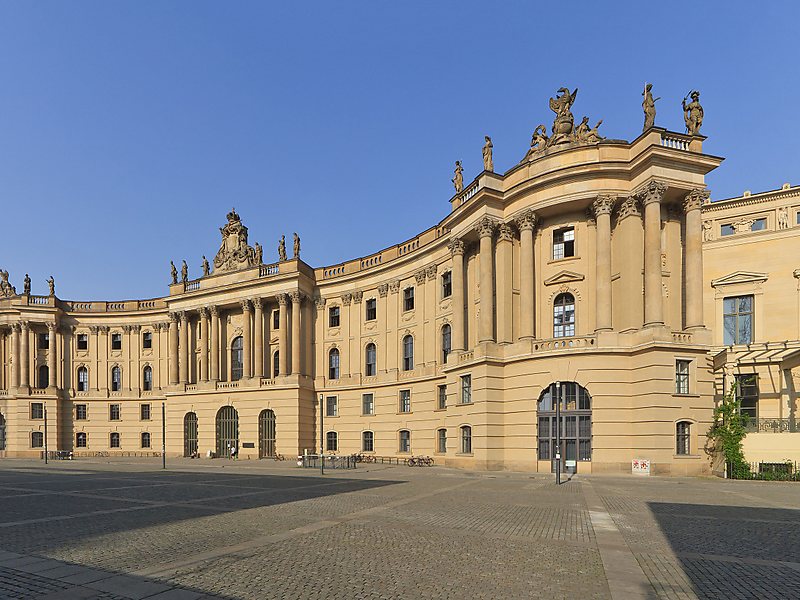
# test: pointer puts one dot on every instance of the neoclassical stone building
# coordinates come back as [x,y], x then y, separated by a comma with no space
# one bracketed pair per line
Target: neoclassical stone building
[578,274]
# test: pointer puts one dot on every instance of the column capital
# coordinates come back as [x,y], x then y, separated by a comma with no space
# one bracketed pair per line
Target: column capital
[506,232]
[695,199]
[652,191]
[203,312]
[52,327]
[296,297]
[246,305]
[526,220]
[456,246]
[420,276]
[383,289]
[319,302]
[358,296]
[96,328]
[485,227]
[431,272]
[174,317]
[603,204]
[214,309]
[258,303]
[25,326]
[183,316]
[16,327]
[136,328]
[628,208]
[394,286]
[127,328]
[347,298]
[283,299]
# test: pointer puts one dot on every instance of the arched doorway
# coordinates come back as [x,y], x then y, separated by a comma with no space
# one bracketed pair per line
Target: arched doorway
[2,432]
[190,445]
[266,434]
[575,428]
[227,430]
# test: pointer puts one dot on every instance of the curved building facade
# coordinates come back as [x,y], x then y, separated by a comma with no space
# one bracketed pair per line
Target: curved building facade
[577,276]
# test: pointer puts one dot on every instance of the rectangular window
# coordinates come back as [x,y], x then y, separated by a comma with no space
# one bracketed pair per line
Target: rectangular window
[466,440]
[747,394]
[116,341]
[442,395]
[727,230]
[276,319]
[114,440]
[37,439]
[44,341]
[113,412]
[441,441]
[83,341]
[758,225]
[447,284]
[368,442]
[333,316]
[682,430]
[682,376]
[37,410]
[80,412]
[144,412]
[372,309]
[408,299]
[798,217]
[147,340]
[737,320]
[405,441]
[564,243]
[405,401]
[145,440]
[332,441]
[331,406]
[367,404]
[80,440]
[466,389]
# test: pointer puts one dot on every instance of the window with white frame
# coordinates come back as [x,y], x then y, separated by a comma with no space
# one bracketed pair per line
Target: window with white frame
[564,243]
[405,401]
[367,404]
[466,439]
[564,315]
[682,376]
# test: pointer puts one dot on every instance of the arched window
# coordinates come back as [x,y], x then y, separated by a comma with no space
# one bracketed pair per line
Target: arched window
[447,342]
[332,441]
[466,439]
[266,433]
[237,363]
[682,438]
[576,422]
[227,423]
[145,439]
[83,379]
[405,441]
[147,378]
[333,364]
[116,379]
[276,364]
[408,353]
[44,377]
[564,315]
[367,441]
[114,440]
[370,362]
[2,432]
[81,440]
[190,435]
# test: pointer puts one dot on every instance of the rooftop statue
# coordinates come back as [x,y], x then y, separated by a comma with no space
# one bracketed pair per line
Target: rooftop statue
[458,179]
[5,287]
[282,248]
[564,121]
[649,107]
[488,162]
[173,272]
[234,252]
[586,134]
[184,272]
[296,245]
[52,285]
[206,267]
[26,285]
[259,254]
[693,113]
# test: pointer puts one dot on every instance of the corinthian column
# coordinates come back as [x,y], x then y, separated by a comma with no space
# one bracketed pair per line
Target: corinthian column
[283,335]
[602,208]
[183,366]
[458,335]
[526,223]
[485,228]
[258,318]
[203,344]
[694,257]
[52,343]
[173,348]
[24,368]
[214,343]
[247,340]
[651,195]
[297,299]
[15,329]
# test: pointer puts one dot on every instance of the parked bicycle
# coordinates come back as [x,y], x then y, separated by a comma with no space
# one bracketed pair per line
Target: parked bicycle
[365,458]
[419,461]
[277,456]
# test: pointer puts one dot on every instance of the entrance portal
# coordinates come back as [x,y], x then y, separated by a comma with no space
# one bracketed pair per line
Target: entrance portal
[190,434]
[575,426]
[227,430]
[266,434]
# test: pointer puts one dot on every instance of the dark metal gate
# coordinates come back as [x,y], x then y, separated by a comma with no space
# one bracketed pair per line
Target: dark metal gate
[189,434]
[227,430]
[266,434]
[2,432]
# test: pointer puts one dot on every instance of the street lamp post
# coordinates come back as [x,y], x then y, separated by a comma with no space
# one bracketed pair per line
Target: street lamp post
[558,433]
[163,435]
[321,437]
[45,433]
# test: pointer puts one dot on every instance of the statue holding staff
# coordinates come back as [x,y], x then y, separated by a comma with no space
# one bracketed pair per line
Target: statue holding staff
[649,107]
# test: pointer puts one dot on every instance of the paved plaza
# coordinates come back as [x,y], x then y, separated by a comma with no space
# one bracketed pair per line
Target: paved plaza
[106,528]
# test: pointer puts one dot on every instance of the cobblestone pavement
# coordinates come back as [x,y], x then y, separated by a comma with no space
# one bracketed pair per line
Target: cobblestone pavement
[212,529]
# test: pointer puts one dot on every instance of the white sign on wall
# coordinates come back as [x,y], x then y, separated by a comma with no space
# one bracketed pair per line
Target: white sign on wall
[640,466]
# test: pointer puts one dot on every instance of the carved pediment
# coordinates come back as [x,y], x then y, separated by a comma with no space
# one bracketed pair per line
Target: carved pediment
[234,252]
[738,277]
[564,277]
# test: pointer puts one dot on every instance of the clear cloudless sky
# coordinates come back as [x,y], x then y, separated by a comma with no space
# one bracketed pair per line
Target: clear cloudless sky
[129,129]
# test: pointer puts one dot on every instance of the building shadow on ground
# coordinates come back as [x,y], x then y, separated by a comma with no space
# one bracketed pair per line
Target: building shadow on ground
[732,551]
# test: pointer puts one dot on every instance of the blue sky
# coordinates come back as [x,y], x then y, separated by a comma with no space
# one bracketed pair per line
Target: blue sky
[129,129]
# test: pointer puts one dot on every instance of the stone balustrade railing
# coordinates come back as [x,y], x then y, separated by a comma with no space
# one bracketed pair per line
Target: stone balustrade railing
[268,270]
[565,343]
[675,140]
[468,193]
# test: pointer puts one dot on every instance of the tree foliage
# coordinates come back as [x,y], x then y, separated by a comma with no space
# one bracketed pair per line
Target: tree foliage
[728,432]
